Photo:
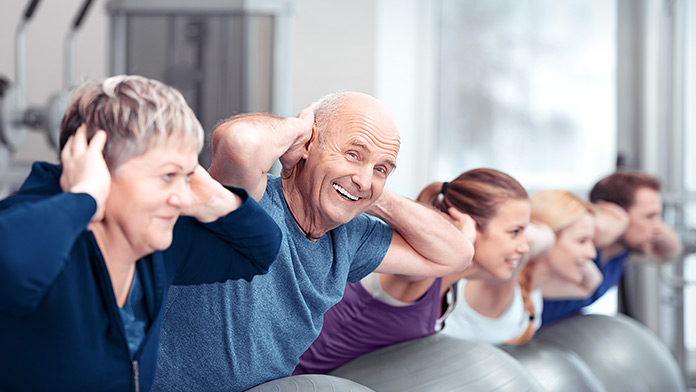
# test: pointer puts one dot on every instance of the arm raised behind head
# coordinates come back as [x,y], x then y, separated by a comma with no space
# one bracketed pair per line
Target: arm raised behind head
[666,247]
[424,243]
[610,222]
[246,146]
[540,239]
[563,290]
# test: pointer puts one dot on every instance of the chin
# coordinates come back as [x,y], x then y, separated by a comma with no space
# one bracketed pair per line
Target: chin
[577,279]
[161,244]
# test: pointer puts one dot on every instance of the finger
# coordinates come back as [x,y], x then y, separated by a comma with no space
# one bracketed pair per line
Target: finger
[79,144]
[308,112]
[98,141]
[457,215]
[66,153]
[200,175]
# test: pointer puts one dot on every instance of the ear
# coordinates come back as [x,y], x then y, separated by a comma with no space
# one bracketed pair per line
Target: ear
[313,142]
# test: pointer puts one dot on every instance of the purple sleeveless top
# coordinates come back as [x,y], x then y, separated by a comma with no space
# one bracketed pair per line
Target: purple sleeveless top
[360,324]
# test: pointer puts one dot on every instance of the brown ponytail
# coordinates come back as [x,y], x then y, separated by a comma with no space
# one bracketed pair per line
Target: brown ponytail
[477,192]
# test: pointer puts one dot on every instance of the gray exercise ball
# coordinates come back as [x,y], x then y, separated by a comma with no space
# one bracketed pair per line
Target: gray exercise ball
[557,369]
[439,363]
[624,354]
[310,383]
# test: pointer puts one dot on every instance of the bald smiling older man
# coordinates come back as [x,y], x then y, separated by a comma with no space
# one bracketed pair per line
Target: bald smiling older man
[336,156]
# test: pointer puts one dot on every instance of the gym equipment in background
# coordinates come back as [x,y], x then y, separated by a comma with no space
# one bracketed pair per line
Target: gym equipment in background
[17,117]
[58,102]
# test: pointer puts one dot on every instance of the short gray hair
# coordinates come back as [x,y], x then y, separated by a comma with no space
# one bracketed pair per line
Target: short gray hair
[326,112]
[137,113]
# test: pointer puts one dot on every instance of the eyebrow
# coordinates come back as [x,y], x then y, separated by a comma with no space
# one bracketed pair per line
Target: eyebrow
[362,146]
[164,165]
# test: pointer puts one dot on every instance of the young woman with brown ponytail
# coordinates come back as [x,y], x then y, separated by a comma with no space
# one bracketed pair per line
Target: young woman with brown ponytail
[383,309]
[563,270]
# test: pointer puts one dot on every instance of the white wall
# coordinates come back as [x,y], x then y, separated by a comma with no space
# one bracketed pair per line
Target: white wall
[333,49]
[405,81]
[369,46]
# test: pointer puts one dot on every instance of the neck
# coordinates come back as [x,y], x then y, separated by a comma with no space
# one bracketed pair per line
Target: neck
[542,274]
[612,250]
[119,257]
[489,298]
[300,212]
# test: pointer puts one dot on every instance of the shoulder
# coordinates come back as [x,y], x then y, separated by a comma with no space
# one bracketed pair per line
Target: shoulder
[43,181]
[273,195]
[364,225]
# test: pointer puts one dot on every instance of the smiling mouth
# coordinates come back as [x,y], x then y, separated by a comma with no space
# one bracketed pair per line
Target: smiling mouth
[341,191]
[513,262]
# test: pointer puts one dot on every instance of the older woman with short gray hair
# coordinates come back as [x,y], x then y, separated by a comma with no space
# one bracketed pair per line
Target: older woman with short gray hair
[89,249]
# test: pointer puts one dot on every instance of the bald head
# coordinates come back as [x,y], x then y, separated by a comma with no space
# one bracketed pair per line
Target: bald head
[333,110]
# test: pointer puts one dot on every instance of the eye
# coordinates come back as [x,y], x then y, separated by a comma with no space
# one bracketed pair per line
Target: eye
[168,177]
[381,169]
[352,154]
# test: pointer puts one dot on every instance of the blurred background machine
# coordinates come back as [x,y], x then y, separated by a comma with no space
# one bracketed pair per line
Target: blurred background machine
[225,56]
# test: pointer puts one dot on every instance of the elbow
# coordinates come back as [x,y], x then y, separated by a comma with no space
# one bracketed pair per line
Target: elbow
[233,150]
[466,257]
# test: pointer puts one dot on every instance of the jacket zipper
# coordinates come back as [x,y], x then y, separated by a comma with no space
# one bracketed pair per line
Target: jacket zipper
[136,376]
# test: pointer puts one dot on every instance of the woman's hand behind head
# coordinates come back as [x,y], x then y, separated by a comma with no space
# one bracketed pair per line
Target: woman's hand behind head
[84,168]
[209,199]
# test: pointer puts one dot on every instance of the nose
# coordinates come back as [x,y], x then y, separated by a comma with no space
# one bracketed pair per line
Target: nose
[591,252]
[657,228]
[363,177]
[181,195]
[523,247]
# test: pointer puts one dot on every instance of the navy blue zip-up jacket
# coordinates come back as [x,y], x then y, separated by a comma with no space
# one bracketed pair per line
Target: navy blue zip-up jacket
[60,329]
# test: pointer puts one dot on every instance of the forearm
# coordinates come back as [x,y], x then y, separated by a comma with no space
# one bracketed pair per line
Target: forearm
[246,146]
[667,246]
[241,244]
[558,288]
[540,239]
[433,246]
[610,223]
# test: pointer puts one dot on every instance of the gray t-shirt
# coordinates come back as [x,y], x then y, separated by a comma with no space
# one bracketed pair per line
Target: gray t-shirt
[232,336]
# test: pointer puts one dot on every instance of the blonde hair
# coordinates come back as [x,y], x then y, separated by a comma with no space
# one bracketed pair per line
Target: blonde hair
[558,210]
[136,113]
